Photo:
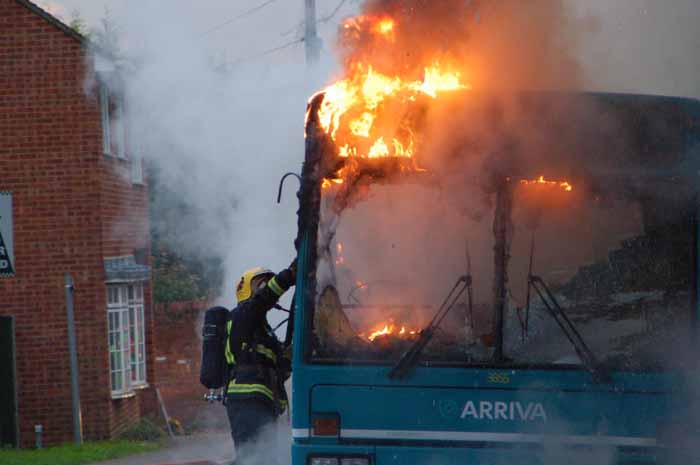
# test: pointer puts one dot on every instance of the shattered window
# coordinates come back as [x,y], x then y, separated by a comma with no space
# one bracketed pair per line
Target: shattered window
[617,267]
[386,264]
[571,219]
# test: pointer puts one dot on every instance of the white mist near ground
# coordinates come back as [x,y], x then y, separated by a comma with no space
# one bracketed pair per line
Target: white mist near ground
[271,447]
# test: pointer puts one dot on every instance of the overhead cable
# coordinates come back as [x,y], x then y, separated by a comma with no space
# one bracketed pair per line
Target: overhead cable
[243,14]
[325,19]
[267,52]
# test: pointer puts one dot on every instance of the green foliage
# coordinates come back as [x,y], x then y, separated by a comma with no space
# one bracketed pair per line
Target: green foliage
[70,454]
[77,23]
[144,430]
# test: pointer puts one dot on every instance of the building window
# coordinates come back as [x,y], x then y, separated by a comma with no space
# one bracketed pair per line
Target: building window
[112,115]
[127,344]
[137,342]
[137,170]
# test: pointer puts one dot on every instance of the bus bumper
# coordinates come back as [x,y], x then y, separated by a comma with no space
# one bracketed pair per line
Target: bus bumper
[302,454]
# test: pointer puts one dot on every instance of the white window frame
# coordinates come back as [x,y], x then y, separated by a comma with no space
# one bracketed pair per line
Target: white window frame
[113,124]
[137,170]
[106,120]
[126,338]
[137,334]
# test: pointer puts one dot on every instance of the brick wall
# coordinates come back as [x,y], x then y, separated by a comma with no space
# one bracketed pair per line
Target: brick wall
[178,353]
[125,228]
[69,209]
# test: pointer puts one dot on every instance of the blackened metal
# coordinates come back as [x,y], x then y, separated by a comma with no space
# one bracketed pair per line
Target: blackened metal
[695,270]
[317,147]
[470,295]
[502,229]
[279,189]
[526,327]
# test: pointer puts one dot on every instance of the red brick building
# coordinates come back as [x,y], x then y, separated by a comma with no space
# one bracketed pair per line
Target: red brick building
[73,200]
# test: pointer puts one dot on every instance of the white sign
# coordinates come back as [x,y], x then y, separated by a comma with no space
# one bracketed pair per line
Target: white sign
[7,256]
[510,411]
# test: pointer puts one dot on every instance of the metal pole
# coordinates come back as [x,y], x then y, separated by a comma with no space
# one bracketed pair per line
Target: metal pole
[312,42]
[695,271]
[72,348]
[166,417]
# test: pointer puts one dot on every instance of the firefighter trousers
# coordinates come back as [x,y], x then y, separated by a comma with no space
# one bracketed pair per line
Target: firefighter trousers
[247,418]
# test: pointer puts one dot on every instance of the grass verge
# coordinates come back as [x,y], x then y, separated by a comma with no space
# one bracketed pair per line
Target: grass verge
[70,454]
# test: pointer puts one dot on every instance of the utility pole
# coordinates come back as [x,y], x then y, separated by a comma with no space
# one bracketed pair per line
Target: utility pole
[312,42]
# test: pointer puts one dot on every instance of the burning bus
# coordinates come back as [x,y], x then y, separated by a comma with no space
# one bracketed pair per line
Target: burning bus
[491,277]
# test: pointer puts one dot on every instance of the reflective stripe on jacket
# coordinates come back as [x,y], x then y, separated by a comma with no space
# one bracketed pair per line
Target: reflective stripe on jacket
[257,365]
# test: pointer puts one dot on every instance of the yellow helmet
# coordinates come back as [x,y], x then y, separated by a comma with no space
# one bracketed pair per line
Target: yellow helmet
[244,289]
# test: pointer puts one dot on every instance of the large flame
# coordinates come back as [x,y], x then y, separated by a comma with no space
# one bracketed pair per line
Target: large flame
[365,112]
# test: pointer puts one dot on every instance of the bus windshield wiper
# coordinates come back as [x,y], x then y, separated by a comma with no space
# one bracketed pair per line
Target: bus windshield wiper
[566,325]
[408,360]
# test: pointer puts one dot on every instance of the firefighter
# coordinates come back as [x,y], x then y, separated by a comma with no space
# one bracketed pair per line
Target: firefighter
[258,366]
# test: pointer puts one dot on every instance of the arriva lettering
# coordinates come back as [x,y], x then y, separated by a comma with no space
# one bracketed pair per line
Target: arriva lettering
[509,411]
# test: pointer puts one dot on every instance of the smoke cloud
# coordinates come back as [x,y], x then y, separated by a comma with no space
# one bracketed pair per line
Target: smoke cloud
[221,120]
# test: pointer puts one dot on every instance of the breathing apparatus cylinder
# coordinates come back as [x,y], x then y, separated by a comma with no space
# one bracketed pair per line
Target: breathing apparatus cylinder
[212,373]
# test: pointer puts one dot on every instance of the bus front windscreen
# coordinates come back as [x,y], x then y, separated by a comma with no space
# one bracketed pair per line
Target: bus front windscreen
[618,265]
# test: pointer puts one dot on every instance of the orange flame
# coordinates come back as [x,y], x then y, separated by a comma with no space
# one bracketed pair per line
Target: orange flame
[543,182]
[340,260]
[363,113]
[388,329]
[385,26]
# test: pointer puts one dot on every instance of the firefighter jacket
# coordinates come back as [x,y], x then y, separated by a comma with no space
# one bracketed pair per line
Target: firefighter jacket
[258,365]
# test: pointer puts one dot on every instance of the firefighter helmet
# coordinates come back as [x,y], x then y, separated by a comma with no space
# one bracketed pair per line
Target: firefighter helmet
[244,289]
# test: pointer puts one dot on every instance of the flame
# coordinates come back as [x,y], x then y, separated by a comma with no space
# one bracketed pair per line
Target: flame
[340,260]
[379,149]
[385,330]
[328,183]
[364,113]
[543,182]
[352,106]
[388,329]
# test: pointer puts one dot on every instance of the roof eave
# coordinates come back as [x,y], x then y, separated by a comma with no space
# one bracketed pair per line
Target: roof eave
[53,20]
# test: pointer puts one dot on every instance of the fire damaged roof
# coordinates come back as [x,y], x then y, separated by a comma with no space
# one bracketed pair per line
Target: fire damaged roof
[125,269]
[34,8]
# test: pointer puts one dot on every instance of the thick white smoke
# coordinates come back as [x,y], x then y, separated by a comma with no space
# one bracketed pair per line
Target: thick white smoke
[221,122]
[641,46]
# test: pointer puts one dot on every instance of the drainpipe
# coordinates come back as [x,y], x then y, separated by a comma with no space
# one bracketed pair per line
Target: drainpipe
[38,430]
[75,387]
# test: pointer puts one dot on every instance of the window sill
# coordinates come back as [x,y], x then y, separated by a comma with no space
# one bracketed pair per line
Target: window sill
[133,389]
[123,395]
[122,158]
